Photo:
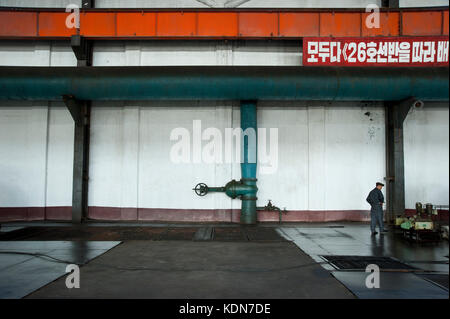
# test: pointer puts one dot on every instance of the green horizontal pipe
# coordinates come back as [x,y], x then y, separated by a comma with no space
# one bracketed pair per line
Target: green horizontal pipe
[216,189]
[224,83]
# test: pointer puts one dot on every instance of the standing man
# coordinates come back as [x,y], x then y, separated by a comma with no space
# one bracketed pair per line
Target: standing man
[376,200]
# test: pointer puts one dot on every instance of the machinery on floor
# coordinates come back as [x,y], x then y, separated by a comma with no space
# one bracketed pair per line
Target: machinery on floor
[421,226]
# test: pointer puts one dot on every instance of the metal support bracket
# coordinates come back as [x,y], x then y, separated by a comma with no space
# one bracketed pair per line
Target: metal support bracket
[75,108]
[82,49]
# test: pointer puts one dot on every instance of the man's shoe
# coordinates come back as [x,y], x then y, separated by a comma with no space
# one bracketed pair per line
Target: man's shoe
[384,231]
[374,233]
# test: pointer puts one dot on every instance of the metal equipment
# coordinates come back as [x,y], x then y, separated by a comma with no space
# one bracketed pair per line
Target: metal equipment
[420,227]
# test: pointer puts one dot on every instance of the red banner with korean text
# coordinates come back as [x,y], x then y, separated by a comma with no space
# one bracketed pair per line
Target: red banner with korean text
[376,51]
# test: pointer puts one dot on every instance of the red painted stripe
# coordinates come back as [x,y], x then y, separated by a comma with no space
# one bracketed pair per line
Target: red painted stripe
[21,213]
[58,213]
[222,215]
[8,214]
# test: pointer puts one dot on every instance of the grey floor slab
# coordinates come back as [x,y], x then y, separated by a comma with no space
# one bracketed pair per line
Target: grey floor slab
[355,239]
[6,229]
[201,269]
[22,274]
[440,280]
[392,286]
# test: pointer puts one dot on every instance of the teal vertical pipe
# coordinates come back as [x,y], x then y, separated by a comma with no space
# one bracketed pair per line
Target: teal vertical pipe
[249,161]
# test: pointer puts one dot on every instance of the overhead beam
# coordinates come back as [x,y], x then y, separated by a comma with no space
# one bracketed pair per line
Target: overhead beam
[110,24]
[396,114]
[80,112]
[225,83]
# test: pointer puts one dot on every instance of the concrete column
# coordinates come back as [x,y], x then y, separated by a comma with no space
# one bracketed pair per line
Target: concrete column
[396,113]
[81,114]
[80,111]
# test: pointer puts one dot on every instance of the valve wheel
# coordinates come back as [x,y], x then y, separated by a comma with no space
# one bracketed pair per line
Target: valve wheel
[201,189]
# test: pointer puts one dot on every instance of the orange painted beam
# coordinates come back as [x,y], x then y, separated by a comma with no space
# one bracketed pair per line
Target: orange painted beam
[445,23]
[136,24]
[18,24]
[340,24]
[295,23]
[176,24]
[208,24]
[389,22]
[422,23]
[50,25]
[217,24]
[257,24]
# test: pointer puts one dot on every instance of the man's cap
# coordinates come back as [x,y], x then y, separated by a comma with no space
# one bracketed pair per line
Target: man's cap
[378,183]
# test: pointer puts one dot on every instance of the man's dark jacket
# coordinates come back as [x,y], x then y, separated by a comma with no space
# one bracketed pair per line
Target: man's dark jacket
[374,198]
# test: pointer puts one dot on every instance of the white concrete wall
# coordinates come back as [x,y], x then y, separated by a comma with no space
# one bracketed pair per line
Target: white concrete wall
[36,142]
[421,3]
[235,3]
[308,174]
[329,156]
[427,155]
[23,136]
[36,138]
[196,3]
[38,3]
[219,3]
[146,53]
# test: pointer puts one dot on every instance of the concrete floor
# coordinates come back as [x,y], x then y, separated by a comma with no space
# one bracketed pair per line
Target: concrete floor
[23,272]
[186,269]
[246,263]
[354,239]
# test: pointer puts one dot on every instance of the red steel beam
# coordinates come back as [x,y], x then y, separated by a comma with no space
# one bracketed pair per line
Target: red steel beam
[219,24]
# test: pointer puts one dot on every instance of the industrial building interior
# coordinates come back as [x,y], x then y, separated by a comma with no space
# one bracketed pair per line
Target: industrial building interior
[202,149]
